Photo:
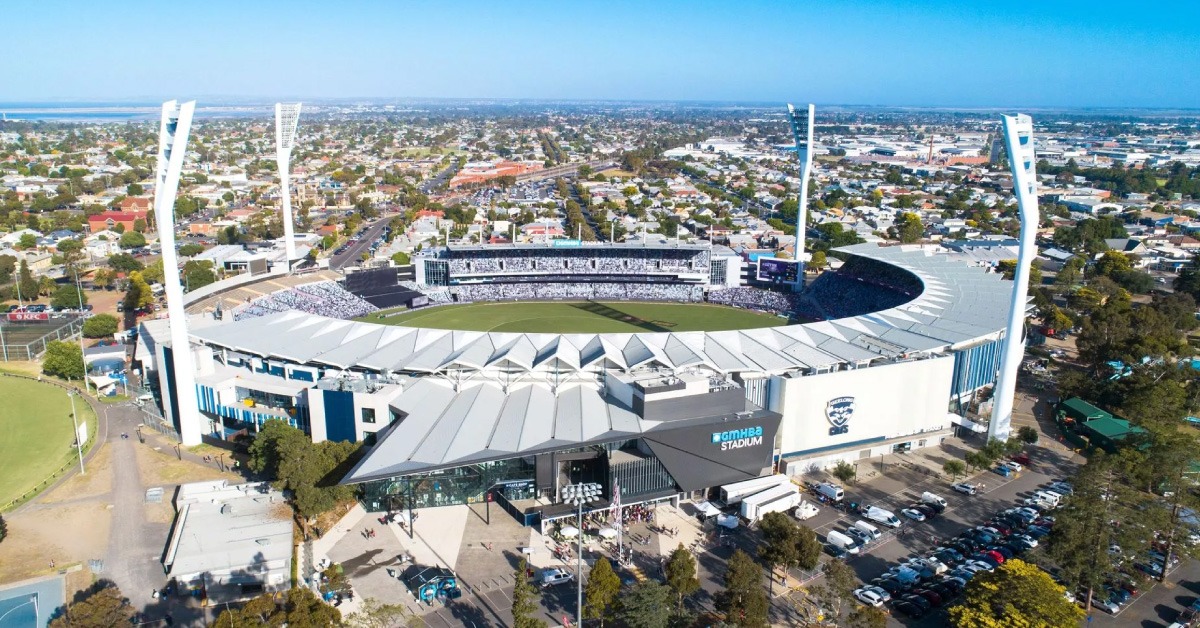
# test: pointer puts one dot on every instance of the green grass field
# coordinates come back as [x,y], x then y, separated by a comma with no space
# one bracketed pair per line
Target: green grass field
[36,435]
[581,317]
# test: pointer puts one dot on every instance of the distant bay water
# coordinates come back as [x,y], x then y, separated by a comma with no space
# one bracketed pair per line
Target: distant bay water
[114,111]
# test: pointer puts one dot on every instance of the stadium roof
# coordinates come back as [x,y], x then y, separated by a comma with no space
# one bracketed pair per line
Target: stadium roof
[958,306]
[444,428]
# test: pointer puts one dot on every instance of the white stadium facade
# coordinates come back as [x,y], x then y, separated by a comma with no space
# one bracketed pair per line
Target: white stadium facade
[894,345]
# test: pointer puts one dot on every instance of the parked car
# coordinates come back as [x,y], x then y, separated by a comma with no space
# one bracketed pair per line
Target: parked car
[882,593]
[554,577]
[965,488]
[910,609]
[1105,605]
[868,597]
[913,513]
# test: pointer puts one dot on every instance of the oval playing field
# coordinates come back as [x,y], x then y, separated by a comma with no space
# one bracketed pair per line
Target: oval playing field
[581,317]
[36,434]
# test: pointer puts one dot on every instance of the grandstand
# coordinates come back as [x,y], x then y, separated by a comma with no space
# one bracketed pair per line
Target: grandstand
[569,262]
[326,298]
[247,292]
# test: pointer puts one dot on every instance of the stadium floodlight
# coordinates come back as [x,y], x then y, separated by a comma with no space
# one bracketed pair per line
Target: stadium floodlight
[578,495]
[1018,141]
[287,117]
[802,135]
[173,133]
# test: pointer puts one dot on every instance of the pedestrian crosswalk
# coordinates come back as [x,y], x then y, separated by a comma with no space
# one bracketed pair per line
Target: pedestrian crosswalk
[637,573]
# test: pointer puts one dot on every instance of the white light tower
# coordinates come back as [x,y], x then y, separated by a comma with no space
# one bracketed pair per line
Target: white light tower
[1018,140]
[578,495]
[172,147]
[287,116]
[802,135]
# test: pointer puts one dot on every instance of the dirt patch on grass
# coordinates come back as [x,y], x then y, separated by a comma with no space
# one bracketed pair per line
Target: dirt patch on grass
[97,482]
[162,512]
[65,534]
[162,468]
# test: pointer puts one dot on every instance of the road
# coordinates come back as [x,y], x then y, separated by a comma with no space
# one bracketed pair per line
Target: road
[353,254]
[429,186]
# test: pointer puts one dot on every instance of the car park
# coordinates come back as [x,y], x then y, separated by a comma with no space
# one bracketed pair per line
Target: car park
[912,610]
[859,535]
[892,586]
[926,509]
[868,597]
[836,551]
[913,598]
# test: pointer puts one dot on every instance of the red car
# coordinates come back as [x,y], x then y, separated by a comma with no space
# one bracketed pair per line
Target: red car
[997,556]
[1021,459]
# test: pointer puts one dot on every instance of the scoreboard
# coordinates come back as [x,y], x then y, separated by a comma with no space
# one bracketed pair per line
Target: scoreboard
[775,270]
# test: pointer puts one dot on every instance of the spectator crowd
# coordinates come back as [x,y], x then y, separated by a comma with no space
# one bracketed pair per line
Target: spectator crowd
[326,298]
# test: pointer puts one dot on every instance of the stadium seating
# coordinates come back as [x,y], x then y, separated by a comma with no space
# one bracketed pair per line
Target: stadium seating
[325,298]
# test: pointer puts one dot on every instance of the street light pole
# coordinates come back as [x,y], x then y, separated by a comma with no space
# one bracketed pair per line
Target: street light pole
[580,494]
[75,422]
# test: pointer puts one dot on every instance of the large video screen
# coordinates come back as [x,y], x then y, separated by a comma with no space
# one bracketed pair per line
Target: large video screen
[778,270]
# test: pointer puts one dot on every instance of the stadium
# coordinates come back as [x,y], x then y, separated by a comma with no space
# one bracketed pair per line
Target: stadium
[881,355]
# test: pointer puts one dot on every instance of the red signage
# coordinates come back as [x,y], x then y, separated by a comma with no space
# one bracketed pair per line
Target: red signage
[29,316]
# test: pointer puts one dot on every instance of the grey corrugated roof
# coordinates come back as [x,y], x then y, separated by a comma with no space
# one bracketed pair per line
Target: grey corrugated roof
[958,304]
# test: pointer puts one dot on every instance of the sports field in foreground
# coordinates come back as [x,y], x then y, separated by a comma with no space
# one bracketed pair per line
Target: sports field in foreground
[36,435]
[582,317]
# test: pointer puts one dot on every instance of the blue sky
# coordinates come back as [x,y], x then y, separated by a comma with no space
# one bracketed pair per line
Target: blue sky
[971,53]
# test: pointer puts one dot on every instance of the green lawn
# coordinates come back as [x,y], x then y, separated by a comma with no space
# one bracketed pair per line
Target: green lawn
[581,317]
[35,433]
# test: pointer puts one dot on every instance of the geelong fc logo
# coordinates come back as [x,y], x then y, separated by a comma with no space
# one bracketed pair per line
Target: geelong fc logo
[839,411]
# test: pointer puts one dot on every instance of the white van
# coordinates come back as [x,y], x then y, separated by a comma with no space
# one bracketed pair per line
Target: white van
[841,540]
[1051,498]
[867,529]
[832,492]
[879,515]
[931,498]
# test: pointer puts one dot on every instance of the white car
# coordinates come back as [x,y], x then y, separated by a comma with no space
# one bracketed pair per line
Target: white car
[1105,605]
[883,595]
[965,489]
[868,597]
[552,577]
[1015,466]
[913,513]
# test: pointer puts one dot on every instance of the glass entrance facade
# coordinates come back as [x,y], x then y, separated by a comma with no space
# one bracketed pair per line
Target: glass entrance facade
[460,485]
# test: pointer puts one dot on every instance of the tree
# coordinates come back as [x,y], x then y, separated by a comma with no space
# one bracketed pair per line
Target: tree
[1027,434]
[46,285]
[779,547]
[102,606]
[68,296]
[198,273]
[139,225]
[124,263]
[646,605]
[400,258]
[138,295]
[70,251]
[954,468]
[524,602]
[819,260]
[134,189]
[100,326]
[27,286]
[63,359]
[603,586]
[301,466]
[838,588]
[1016,594]
[681,574]
[27,241]
[844,471]
[744,600]
[808,548]
[191,249]
[374,614]
[908,228]
[132,240]
[867,617]
[1084,530]
[299,608]
[102,278]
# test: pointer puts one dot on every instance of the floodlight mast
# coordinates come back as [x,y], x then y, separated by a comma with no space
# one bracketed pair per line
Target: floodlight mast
[802,135]
[287,118]
[1018,141]
[174,128]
